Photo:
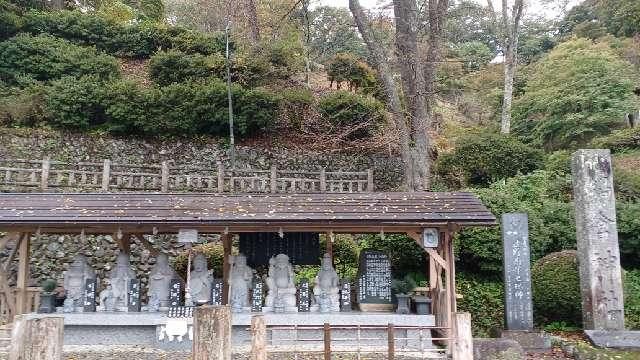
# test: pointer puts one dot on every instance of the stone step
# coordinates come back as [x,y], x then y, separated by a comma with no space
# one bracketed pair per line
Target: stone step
[5,342]
[5,333]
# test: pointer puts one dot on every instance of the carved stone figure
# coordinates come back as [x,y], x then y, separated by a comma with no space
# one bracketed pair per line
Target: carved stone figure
[239,283]
[281,288]
[201,279]
[74,280]
[107,300]
[159,283]
[119,281]
[326,290]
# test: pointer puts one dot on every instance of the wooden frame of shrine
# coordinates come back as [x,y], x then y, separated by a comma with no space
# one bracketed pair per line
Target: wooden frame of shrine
[133,214]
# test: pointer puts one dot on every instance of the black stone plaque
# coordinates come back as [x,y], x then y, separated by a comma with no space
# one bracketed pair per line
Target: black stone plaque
[134,295]
[256,295]
[517,272]
[90,286]
[302,248]
[216,292]
[303,295]
[345,296]
[374,278]
[175,293]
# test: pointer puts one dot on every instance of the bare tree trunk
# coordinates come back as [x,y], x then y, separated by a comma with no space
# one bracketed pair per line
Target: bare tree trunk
[509,74]
[252,20]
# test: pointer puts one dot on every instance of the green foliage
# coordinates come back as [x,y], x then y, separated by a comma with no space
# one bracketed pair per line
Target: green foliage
[405,254]
[484,158]
[345,256]
[628,220]
[214,253]
[543,196]
[332,32]
[9,22]
[474,55]
[48,286]
[358,113]
[632,299]
[74,103]
[355,72]
[295,106]
[404,285]
[594,18]
[619,140]
[555,284]
[174,66]
[560,326]
[580,90]
[483,298]
[46,58]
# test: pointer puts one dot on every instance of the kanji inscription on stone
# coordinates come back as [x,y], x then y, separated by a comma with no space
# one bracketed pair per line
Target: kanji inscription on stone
[216,292]
[517,272]
[175,293]
[134,295]
[256,295]
[90,295]
[374,278]
[345,296]
[303,295]
[597,235]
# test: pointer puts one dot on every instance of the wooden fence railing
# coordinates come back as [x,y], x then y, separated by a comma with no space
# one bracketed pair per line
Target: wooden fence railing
[32,305]
[108,176]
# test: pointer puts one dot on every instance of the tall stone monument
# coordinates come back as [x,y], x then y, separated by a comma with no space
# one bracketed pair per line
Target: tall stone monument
[597,235]
[518,310]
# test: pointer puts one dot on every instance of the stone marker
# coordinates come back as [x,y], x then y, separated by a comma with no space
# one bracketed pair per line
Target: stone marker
[90,295]
[345,296]
[216,292]
[256,295]
[175,293]
[597,235]
[518,310]
[134,295]
[374,281]
[303,295]
[614,339]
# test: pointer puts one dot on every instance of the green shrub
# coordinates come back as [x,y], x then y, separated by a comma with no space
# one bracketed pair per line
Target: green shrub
[619,140]
[352,70]
[544,197]
[632,299]
[214,252]
[482,159]
[9,24]
[22,107]
[344,110]
[345,256]
[175,66]
[484,300]
[405,254]
[75,103]
[555,283]
[45,58]
[295,106]
[628,220]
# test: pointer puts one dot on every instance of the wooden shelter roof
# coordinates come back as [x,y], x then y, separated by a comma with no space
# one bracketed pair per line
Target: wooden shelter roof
[165,213]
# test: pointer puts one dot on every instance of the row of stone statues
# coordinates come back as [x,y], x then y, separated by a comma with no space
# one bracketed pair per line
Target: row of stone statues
[281,289]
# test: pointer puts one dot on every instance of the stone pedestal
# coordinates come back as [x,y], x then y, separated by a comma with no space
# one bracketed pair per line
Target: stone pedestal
[597,235]
[614,339]
[529,340]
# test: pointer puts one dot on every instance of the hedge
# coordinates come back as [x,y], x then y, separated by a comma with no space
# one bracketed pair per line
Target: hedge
[45,58]
[343,109]
[483,298]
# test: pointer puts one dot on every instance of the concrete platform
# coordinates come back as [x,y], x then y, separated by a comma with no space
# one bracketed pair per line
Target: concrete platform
[159,331]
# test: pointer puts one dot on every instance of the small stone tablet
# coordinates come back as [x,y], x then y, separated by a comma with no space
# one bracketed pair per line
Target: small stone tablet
[256,295]
[216,292]
[134,295]
[175,293]
[90,295]
[303,295]
[345,296]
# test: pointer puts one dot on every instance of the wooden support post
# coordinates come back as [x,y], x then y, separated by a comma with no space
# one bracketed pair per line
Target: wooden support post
[463,347]
[44,174]
[329,244]
[106,175]
[258,338]
[211,333]
[323,180]
[164,174]
[226,266]
[391,341]
[327,341]
[37,339]
[23,275]
[274,179]
[370,186]
[220,177]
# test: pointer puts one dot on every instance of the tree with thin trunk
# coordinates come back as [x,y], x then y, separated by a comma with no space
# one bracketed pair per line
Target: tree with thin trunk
[508,39]
[252,19]
[411,101]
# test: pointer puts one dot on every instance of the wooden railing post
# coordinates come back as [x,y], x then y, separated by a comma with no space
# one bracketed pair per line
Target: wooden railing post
[323,180]
[37,339]
[463,343]
[23,274]
[327,341]
[211,333]
[44,174]
[258,338]
[370,180]
[391,341]
[220,177]
[274,179]
[164,177]
[106,175]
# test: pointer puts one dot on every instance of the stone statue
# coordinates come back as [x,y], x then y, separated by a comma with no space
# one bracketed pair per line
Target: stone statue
[159,282]
[326,290]
[281,288]
[107,300]
[239,283]
[201,279]
[119,282]
[74,281]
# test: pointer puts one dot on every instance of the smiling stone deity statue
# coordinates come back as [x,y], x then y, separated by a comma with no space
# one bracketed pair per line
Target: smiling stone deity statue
[280,284]
[159,282]
[326,290]
[201,279]
[74,281]
[239,283]
[119,280]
